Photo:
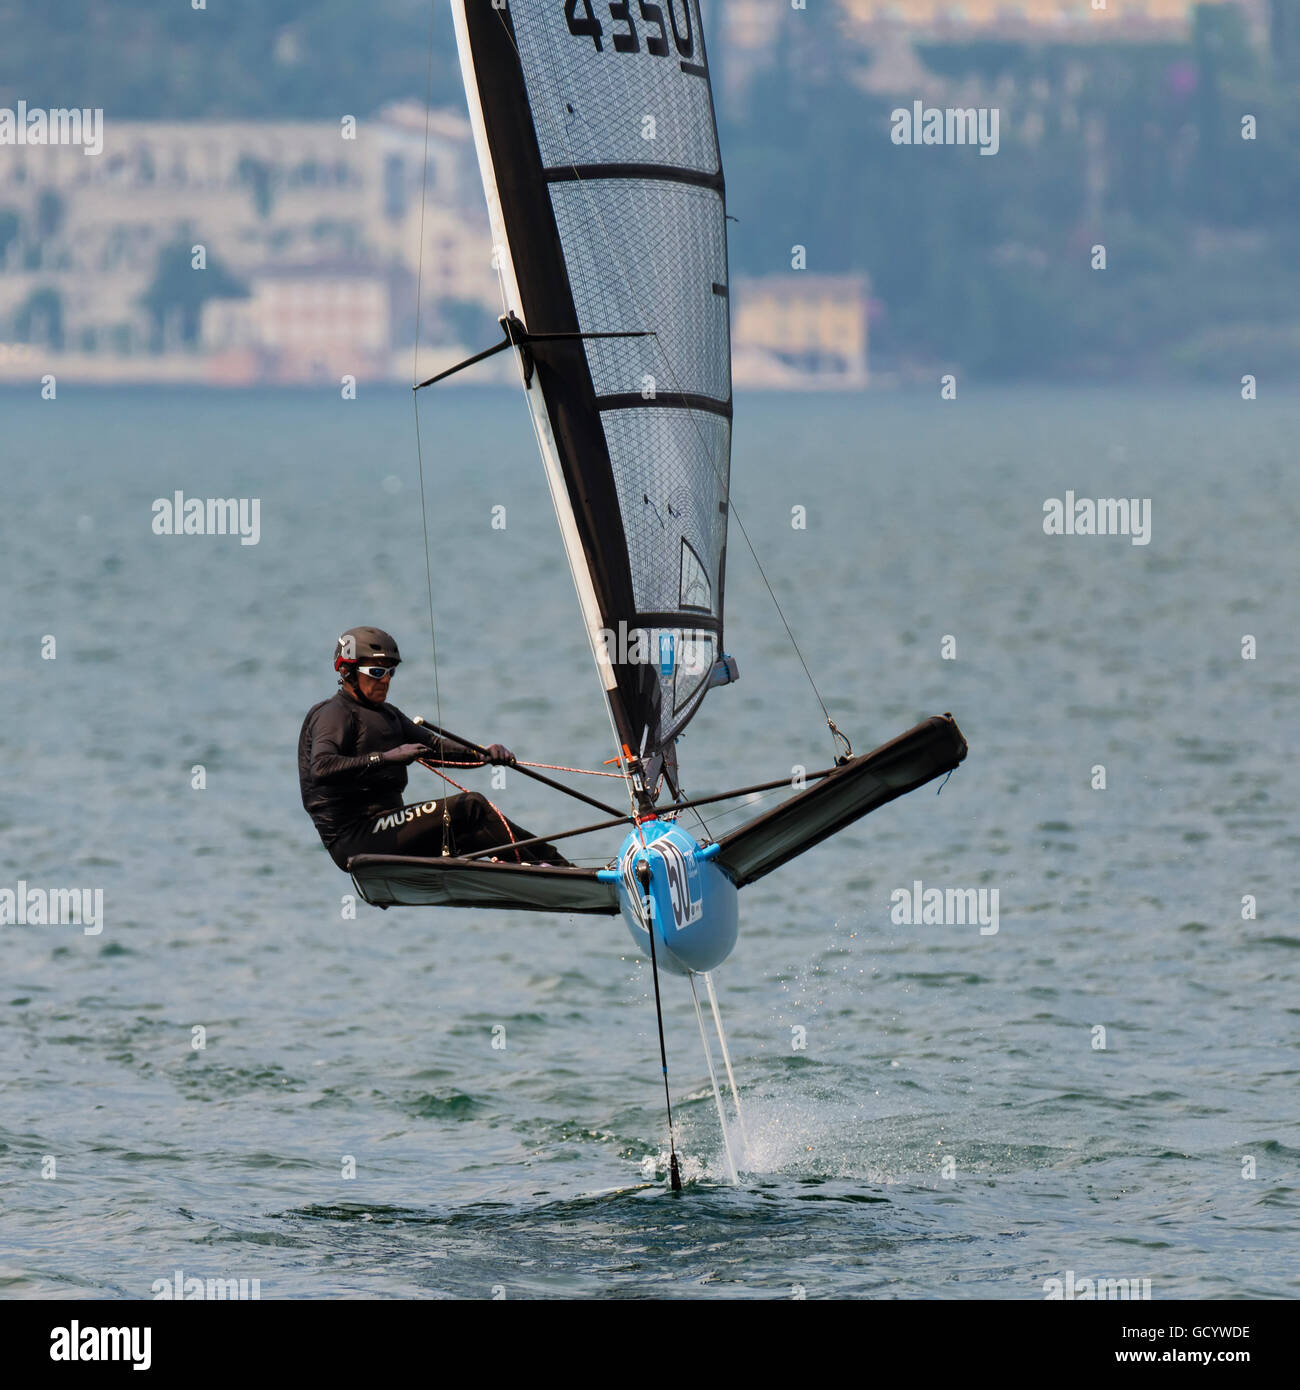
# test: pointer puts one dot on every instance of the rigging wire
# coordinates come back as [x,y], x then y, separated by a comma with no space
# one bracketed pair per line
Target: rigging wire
[510,834]
[559,767]
[704,825]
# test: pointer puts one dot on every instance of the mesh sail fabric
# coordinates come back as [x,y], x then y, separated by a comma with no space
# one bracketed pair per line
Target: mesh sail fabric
[599,125]
[592,77]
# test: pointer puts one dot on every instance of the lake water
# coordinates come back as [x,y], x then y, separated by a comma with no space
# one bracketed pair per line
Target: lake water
[523,1168]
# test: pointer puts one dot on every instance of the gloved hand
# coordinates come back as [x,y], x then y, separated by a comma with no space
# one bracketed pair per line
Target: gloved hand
[406,753]
[498,753]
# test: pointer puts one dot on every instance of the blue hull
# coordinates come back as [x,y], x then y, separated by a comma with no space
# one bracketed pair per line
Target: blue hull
[693,903]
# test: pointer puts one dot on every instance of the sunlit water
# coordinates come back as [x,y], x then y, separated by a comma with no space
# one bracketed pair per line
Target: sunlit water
[524,1168]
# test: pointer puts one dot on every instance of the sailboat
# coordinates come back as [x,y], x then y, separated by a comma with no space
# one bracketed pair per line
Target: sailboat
[594,127]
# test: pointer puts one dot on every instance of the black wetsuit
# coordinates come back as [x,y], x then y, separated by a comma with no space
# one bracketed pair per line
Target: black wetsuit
[357,807]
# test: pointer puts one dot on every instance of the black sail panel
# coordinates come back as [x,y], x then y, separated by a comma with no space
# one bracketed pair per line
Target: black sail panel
[599,153]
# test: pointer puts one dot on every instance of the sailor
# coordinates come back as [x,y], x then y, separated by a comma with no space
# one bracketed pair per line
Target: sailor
[353,753]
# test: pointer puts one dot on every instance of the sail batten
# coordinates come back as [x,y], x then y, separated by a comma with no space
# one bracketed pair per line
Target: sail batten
[598,149]
[676,400]
[576,173]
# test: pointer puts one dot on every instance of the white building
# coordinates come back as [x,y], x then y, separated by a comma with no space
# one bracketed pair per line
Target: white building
[81,236]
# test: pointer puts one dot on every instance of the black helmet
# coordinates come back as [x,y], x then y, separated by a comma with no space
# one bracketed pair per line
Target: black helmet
[365,644]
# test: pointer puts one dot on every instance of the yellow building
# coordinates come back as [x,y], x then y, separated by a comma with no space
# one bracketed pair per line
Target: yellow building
[800,330]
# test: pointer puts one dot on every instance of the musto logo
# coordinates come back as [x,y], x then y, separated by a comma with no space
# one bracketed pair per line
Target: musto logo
[407,813]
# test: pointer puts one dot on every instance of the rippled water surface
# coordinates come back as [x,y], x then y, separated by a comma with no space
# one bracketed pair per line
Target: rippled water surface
[537,1168]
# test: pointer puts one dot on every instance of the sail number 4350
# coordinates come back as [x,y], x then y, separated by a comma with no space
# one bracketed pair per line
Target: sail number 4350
[581,15]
